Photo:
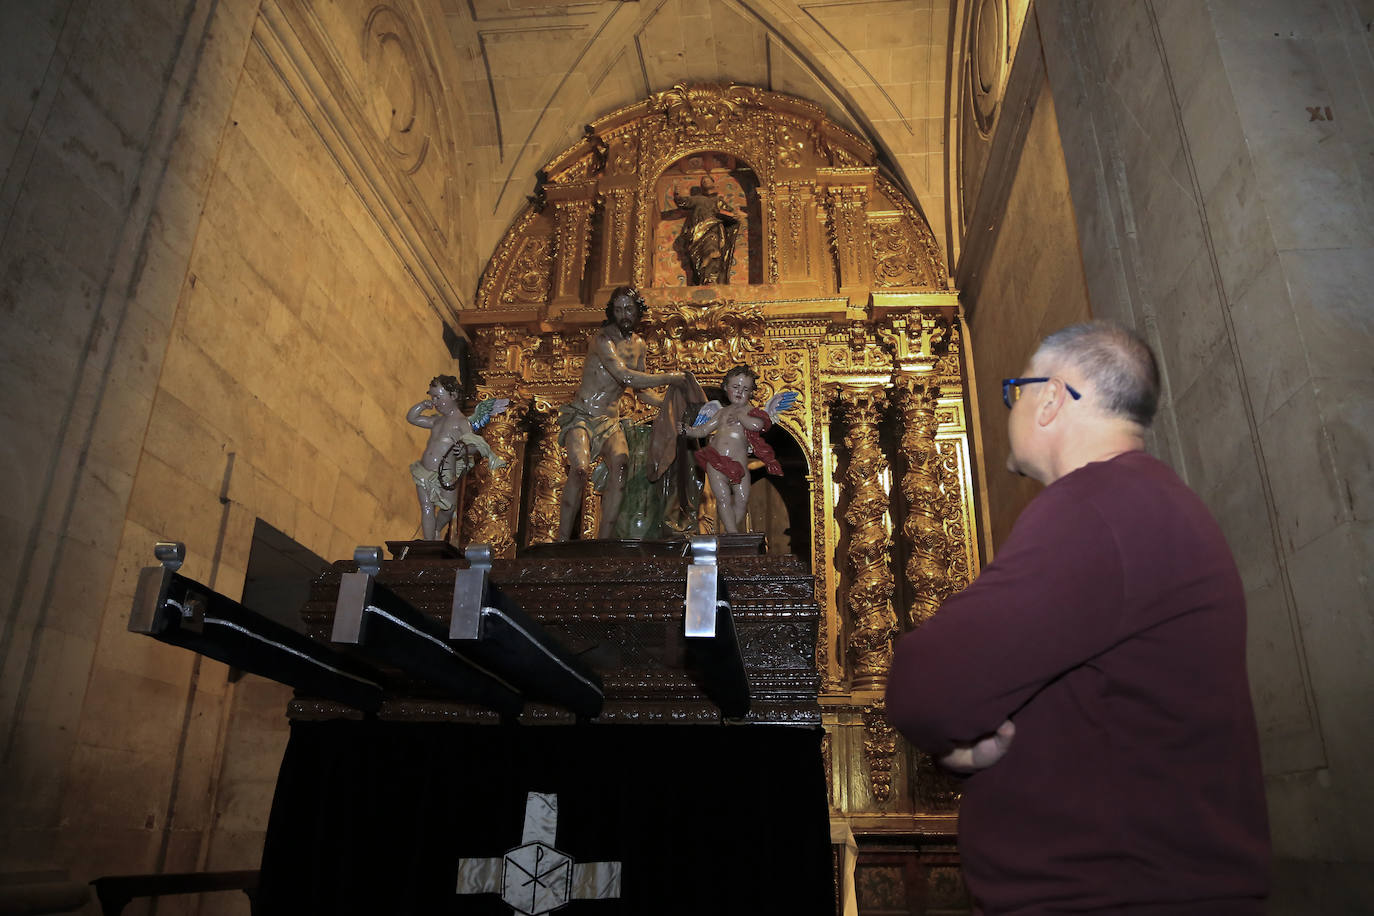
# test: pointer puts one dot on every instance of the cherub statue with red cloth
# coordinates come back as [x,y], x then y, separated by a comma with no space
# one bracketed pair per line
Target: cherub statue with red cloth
[736,430]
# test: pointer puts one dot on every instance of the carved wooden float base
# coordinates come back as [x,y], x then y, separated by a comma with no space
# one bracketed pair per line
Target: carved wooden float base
[622,616]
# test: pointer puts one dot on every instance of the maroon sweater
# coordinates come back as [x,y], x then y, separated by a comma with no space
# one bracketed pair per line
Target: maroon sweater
[1111,630]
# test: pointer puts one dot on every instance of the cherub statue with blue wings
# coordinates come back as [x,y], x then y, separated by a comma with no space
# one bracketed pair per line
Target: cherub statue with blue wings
[736,430]
[452,450]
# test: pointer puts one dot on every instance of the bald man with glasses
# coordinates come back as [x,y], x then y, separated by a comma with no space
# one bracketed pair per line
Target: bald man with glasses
[1091,683]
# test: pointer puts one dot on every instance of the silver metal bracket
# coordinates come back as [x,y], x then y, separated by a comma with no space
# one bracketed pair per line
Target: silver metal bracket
[355,594]
[369,559]
[703,578]
[469,593]
[171,554]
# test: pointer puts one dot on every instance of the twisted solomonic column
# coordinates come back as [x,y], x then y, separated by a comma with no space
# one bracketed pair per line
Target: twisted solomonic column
[927,563]
[491,510]
[548,473]
[873,622]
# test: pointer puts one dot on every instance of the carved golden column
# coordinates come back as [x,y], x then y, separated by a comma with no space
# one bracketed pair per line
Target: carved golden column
[799,250]
[927,562]
[572,228]
[769,213]
[874,623]
[850,238]
[617,233]
[549,473]
[829,648]
[494,518]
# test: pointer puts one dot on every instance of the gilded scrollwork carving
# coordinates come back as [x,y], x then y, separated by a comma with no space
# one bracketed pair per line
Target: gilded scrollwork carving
[504,348]
[686,120]
[591,504]
[959,571]
[854,347]
[492,509]
[933,274]
[822,396]
[794,141]
[948,368]
[627,151]
[624,153]
[842,157]
[795,231]
[619,211]
[880,750]
[549,473]
[572,232]
[489,291]
[850,245]
[873,623]
[896,260]
[696,110]
[936,791]
[531,273]
[707,338]
[768,205]
[581,168]
[915,338]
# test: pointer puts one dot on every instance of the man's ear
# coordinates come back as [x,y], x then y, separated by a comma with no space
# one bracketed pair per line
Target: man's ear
[1052,396]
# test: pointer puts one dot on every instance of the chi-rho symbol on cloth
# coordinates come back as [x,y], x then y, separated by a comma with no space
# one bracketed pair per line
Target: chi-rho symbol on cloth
[536,878]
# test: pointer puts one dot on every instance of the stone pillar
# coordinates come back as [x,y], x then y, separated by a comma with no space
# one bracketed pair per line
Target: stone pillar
[494,516]
[873,621]
[572,226]
[548,475]
[927,562]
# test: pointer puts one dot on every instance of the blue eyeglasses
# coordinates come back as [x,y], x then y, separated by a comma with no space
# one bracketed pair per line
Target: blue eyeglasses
[1011,389]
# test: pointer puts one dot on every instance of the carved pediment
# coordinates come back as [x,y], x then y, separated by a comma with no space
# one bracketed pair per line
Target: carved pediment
[693,111]
[814,213]
[707,337]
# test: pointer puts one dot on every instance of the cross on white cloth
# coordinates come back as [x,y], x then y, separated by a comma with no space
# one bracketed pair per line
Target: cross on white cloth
[536,878]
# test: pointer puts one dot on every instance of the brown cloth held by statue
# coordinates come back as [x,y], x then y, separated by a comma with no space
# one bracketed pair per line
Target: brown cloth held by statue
[664,443]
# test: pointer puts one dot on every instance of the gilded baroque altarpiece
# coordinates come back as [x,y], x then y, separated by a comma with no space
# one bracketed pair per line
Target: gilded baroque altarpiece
[847,303]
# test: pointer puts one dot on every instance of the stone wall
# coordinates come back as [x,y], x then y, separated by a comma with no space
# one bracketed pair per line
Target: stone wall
[1218,163]
[219,308]
[1031,283]
[94,254]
